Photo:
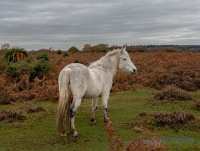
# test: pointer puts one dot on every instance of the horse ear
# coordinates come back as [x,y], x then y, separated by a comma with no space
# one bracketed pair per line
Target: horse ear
[123,49]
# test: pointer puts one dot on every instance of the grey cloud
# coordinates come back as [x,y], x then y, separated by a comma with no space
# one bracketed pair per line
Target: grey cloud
[60,24]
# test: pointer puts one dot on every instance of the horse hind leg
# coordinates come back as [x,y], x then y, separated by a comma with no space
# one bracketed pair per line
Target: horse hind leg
[73,109]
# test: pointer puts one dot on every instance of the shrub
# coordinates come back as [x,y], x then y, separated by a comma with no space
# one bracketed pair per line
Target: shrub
[43,57]
[197,105]
[173,119]
[3,65]
[65,54]
[33,69]
[185,79]
[11,116]
[12,71]
[34,109]
[59,52]
[15,54]
[15,69]
[173,93]
[76,61]
[39,69]
[5,97]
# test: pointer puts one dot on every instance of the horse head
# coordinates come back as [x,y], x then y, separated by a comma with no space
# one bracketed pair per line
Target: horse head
[125,63]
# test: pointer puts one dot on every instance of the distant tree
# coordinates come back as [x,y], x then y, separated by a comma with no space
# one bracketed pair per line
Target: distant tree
[73,50]
[86,47]
[101,48]
[5,46]
[96,48]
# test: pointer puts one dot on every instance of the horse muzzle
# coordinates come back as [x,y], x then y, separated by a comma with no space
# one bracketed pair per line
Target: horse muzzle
[134,71]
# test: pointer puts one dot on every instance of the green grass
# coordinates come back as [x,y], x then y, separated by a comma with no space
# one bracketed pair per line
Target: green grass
[38,132]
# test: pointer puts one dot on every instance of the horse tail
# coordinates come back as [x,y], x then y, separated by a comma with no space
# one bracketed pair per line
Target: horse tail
[63,120]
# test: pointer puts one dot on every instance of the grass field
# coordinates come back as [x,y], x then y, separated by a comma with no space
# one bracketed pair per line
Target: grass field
[38,132]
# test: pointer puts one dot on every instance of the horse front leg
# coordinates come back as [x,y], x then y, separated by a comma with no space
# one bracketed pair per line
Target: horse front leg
[105,97]
[94,109]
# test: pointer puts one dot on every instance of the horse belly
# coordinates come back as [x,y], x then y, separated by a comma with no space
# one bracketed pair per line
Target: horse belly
[94,85]
[92,92]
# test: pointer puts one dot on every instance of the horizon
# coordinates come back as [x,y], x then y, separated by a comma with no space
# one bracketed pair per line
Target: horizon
[151,46]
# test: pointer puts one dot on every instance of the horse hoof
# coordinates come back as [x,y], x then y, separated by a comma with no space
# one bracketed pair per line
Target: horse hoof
[93,121]
[63,134]
[106,120]
[75,134]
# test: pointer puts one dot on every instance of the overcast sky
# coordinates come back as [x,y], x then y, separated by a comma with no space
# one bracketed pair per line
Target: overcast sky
[34,24]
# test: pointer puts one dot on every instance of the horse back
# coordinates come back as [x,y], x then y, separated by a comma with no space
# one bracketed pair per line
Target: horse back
[79,75]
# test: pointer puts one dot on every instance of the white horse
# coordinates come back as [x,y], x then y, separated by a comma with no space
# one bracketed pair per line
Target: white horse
[77,81]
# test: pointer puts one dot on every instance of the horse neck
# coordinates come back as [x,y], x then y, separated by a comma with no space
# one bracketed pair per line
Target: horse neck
[107,63]
[115,65]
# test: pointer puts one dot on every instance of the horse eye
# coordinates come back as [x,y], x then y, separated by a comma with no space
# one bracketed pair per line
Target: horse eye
[124,59]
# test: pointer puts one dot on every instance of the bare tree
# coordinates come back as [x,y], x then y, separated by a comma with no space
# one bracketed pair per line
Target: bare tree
[5,46]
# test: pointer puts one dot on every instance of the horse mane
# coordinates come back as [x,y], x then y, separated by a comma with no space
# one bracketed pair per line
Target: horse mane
[104,61]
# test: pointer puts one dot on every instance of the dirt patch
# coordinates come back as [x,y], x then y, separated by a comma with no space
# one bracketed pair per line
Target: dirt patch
[115,142]
[141,144]
[153,144]
[173,93]
[173,120]
[11,116]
